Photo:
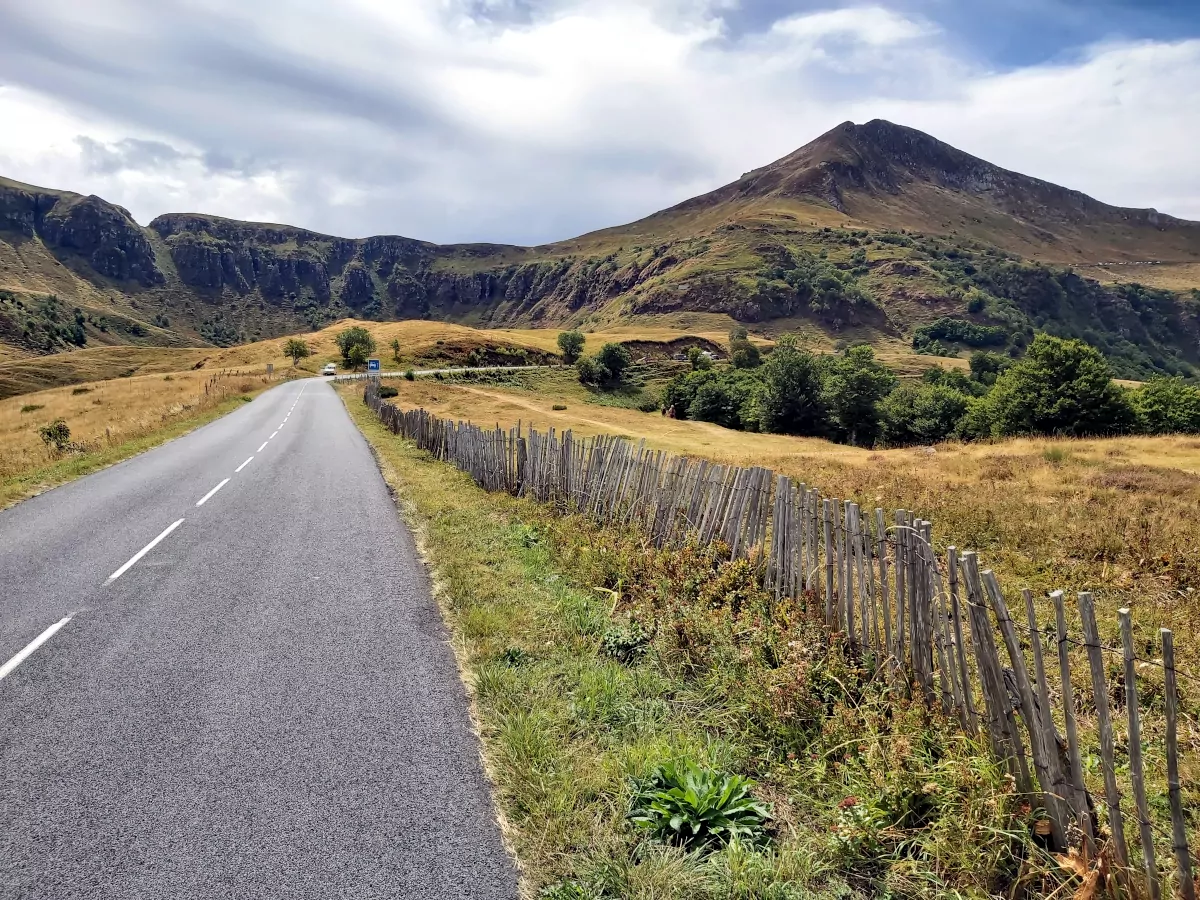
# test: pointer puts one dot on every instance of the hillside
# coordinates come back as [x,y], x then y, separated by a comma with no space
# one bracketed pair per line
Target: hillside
[868,232]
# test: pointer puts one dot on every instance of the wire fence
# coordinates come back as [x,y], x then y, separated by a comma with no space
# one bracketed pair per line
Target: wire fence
[939,626]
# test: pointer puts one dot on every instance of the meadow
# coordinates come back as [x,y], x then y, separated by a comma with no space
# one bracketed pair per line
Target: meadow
[108,421]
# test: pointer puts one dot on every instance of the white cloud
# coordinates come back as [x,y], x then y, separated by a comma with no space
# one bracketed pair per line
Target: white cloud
[453,120]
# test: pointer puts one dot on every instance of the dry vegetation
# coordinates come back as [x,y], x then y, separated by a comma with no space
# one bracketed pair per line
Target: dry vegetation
[108,421]
[1115,516]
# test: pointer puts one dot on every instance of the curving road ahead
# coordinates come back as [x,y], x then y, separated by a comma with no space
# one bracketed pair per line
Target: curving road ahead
[222,675]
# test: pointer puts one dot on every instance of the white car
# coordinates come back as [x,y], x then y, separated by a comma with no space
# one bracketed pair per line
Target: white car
[330,369]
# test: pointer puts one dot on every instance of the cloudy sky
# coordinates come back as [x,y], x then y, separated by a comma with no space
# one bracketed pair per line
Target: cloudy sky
[532,120]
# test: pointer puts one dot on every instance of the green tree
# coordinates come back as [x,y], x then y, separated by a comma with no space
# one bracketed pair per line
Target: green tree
[590,371]
[923,413]
[792,401]
[742,353]
[296,349]
[699,359]
[395,345]
[356,345]
[616,359]
[1167,406]
[987,367]
[570,343]
[1061,387]
[854,385]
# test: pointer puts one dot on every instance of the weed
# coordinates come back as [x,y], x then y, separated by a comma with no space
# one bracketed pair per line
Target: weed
[625,643]
[515,656]
[57,435]
[1056,456]
[687,806]
[32,407]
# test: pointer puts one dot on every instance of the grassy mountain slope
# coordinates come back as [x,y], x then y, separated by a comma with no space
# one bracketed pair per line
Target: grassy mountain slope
[869,232]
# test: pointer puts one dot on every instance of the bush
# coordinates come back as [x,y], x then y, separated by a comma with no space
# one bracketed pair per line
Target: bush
[56,435]
[32,407]
[742,353]
[1061,387]
[570,343]
[410,375]
[698,809]
[699,359]
[729,398]
[615,358]
[75,392]
[923,413]
[625,643]
[959,331]
[558,407]
[386,391]
[591,372]
[1167,406]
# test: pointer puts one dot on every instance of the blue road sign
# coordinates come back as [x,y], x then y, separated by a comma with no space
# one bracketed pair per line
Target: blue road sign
[372,365]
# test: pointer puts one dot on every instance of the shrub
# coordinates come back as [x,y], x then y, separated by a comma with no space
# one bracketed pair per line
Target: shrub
[558,407]
[386,391]
[590,371]
[694,808]
[75,392]
[1167,406]
[615,358]
[923,413]
[742,353]
[1060,387]
[699,360]
[570,343]
[56,435]
[959,331]
[32,407]
[410,375]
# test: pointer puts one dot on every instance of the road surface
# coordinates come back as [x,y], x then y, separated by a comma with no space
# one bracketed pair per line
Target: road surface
[263,703]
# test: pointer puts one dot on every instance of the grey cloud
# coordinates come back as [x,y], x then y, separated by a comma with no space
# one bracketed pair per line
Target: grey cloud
[126,154]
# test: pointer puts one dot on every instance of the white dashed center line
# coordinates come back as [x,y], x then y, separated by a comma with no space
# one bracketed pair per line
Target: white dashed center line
[260,449]
[273,433]
[242,466]
[150,546]
[206,497]
[33,645]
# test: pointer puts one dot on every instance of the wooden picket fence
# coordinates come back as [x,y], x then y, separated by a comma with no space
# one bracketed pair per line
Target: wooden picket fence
[934,623]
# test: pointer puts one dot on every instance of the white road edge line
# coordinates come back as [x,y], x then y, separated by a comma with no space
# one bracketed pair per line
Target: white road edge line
[206,497]
[260,449]
[33,645]
[150,546]
[242,466]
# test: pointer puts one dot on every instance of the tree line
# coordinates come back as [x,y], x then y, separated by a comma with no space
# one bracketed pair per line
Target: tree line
[1059,387]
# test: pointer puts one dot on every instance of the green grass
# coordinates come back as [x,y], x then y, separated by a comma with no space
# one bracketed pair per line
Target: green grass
[75,465]
[871,795]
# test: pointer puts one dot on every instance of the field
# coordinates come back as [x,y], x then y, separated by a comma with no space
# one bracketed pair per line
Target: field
[1115,516]
[108,421]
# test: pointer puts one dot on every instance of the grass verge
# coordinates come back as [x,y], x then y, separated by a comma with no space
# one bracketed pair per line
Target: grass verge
[593,659]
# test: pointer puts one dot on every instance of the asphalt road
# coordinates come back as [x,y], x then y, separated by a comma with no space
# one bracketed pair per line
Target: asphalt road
[264,704]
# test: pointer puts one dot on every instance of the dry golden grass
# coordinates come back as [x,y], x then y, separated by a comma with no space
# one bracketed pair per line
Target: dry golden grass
[105,417]
[1115,516]
[1168,276]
